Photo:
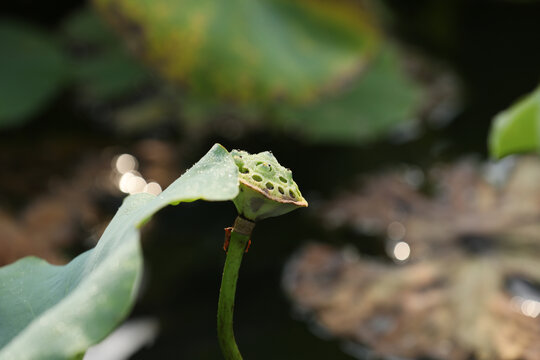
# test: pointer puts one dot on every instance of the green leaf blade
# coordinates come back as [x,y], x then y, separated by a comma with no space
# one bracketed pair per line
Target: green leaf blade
[57,312]
[517,129]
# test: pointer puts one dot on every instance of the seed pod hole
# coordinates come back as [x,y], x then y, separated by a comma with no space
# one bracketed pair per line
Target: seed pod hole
[280,189]
[282,179]
[292,194]
[257,178]
[269,186]
[244,170]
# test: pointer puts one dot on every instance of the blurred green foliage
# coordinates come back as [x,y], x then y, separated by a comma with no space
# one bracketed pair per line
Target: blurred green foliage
[517,129]
[36,65]
[102,68]
[248,50]
[32,71]
[321,72]
[369,107]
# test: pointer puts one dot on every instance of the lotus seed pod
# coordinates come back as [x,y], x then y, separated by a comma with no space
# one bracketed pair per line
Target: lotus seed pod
[266,188]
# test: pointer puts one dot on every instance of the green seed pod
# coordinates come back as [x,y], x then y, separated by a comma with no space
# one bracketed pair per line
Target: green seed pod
[266,188]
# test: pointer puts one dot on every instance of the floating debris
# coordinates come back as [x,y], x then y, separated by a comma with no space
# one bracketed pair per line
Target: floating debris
[462,279]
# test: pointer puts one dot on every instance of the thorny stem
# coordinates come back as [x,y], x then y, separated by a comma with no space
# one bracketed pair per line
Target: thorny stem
[239,239]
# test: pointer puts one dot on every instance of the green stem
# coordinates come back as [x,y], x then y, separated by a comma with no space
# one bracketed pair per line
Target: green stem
[237,246]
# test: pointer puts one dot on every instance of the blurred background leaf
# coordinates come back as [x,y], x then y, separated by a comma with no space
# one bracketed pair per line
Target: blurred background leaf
[248,50]
[102,67]
[32,71]
[335,56]
[517,129]
[382,98]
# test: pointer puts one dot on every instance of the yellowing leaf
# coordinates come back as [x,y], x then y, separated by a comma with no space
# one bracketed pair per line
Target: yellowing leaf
[248,50]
